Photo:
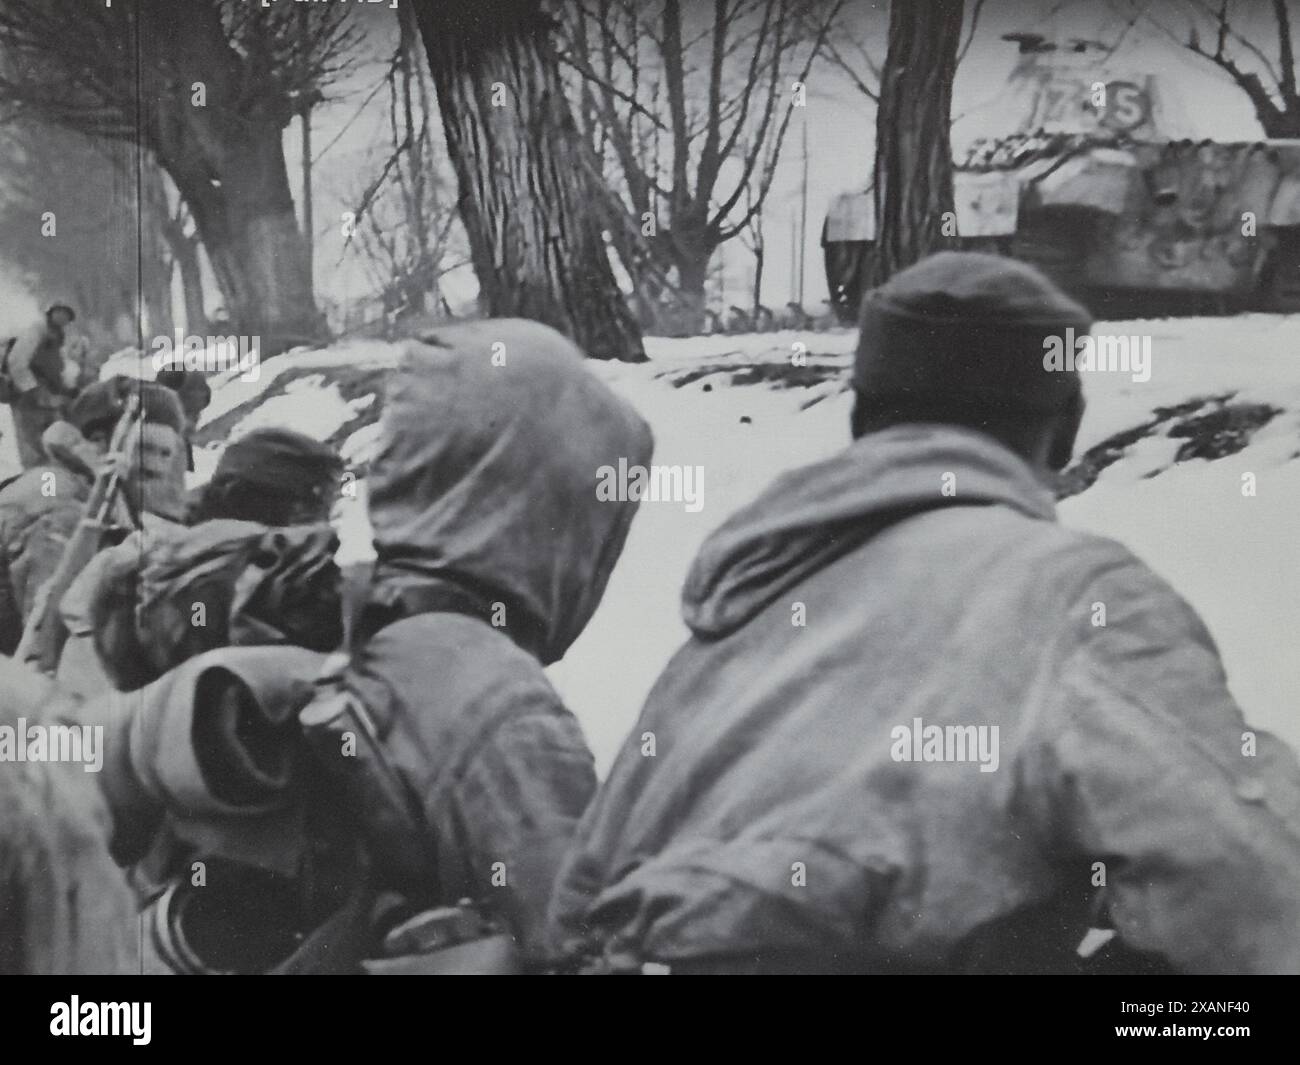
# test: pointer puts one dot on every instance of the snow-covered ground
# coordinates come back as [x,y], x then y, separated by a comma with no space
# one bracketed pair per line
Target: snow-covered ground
[1235,557]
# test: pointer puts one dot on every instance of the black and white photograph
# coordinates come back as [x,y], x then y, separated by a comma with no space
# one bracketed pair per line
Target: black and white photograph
[651,487]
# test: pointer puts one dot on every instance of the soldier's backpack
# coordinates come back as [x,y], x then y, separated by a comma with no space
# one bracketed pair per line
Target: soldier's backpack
[346,748]
[220,583]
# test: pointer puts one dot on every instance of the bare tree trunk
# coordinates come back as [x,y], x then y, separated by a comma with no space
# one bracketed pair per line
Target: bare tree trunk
[420,279]
[693,276]
[757,245]
[185,253]
[536,240]
[913,172]
[156,262]
[250,232]
[228,163]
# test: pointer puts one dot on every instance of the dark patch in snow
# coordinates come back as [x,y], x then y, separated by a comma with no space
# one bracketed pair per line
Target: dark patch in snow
[785,375]
[780,374]
[1222,432]
[1213,426]
[817,397]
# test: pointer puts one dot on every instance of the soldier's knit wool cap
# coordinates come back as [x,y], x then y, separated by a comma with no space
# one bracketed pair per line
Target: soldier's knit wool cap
[280,458]
[101,404]
[970,326]
[191,386]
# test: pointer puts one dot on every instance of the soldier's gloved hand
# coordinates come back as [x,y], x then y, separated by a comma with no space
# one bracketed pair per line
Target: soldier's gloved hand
[119,463]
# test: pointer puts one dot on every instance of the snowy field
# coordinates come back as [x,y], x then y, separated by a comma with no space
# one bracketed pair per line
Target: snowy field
[1234,557]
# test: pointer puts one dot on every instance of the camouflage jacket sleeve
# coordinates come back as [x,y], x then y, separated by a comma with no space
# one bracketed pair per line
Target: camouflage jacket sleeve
[43,544]
[11,618]
[517,805]
[1186,818]
[19,363]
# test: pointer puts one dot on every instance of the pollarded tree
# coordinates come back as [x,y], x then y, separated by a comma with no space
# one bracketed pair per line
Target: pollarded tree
[207,87]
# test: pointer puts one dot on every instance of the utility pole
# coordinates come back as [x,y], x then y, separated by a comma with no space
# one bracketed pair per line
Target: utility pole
[803,208]
[721,275]
[304,115]
[794,251]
